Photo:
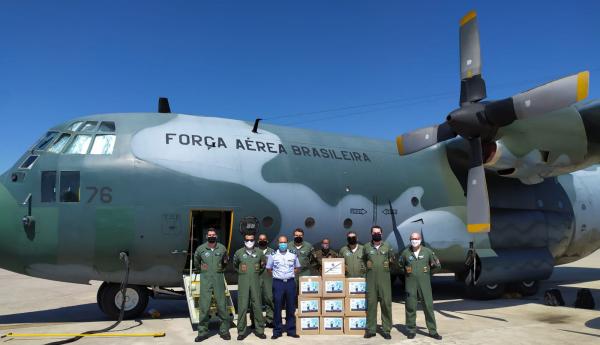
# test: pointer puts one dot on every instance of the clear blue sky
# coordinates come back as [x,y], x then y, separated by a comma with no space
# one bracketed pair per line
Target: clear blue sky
[243,59]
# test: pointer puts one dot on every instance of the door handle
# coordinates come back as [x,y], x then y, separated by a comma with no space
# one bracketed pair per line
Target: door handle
[179,251]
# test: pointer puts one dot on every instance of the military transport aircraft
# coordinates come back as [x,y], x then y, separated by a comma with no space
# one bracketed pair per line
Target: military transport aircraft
[502,190]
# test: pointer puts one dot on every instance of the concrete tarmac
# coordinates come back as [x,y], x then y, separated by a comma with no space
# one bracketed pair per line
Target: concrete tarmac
[31,305]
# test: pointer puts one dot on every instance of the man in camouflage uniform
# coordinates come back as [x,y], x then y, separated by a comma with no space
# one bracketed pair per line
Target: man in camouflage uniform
[416,262]
[266,281]
[378,257]
[305,253]
[323,252]
[212,258]
[353,254]
[249,263]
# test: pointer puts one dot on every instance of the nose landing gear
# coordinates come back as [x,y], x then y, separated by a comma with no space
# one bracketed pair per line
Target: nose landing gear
[109,300]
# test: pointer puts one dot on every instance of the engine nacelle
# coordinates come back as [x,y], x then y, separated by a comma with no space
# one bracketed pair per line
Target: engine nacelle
[555,144]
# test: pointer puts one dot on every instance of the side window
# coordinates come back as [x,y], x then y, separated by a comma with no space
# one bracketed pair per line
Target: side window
[28,162]
[80,144]
[107,126]
[69,186]
[48,186]
[103,144]
[60,144]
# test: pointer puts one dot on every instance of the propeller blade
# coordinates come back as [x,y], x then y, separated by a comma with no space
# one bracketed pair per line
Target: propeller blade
[541,100]
[478,203]
[423,138]
[472,86]
[552,96]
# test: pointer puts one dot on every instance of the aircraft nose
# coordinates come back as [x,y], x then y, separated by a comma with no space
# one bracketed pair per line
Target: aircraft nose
[8,226]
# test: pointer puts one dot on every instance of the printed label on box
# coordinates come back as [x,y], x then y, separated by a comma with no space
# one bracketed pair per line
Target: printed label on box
[334,286]
[358,304]
[309,323]
[357,287]
[333,268]
[334,306]
[357,323]
[309,306]
[307,287]
[333,323]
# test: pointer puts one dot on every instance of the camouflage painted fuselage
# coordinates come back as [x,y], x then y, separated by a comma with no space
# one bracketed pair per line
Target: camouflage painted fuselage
[165,165]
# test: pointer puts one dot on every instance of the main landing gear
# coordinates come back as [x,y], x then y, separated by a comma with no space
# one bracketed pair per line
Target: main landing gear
[109,300]
[493,291]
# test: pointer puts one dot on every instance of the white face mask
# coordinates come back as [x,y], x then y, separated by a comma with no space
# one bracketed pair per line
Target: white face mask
[415,243]
[249,244]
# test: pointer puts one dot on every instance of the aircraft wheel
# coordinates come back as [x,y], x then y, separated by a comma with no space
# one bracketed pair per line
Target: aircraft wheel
[110,298]
[99,295]
[486,291]
[528,288]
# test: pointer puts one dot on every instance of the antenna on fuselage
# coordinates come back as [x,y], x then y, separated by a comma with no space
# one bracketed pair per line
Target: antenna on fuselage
[163,105]
[255,128]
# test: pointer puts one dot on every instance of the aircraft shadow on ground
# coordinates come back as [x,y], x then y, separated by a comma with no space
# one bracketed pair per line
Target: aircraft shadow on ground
[90,313]
[451,300]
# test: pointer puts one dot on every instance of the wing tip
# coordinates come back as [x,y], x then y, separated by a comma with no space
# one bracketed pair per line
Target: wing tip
[468,17]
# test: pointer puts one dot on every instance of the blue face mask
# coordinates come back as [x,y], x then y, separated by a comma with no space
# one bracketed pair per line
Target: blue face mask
[283,247]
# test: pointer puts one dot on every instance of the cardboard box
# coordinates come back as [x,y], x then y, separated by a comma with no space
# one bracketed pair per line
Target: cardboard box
[332,325]
[333,267]
[310,286]
[334,287]
[306,325]
[356,306]
[356,286]
[333,307]
[309,306]
[355,325]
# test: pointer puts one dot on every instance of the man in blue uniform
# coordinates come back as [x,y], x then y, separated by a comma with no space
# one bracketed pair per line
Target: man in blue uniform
[283,264]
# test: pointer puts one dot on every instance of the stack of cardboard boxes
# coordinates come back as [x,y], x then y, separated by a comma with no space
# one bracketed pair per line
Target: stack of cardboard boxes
[331,303]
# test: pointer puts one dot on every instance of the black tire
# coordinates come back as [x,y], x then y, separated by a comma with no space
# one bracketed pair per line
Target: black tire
[99,295]
[108,305]
[485,292]
[528,288]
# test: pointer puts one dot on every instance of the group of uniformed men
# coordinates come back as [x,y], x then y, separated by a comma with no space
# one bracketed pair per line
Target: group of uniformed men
[270,277]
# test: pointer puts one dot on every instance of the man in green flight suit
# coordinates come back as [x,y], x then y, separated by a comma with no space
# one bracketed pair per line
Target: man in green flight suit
[305,253]
[378,256]
[211,258]
[266,281]
[323,252]
[249,263]
[353,254]
[416,262]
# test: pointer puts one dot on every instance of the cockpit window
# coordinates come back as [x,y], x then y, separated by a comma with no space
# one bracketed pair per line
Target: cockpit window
[75,126]
[103,144]
[60,144]
[89,126]
[47,139]
[69,186]
[107,126]
[28,162]
[80,144]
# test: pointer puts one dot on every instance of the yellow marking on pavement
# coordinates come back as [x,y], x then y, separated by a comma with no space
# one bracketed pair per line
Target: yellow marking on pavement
[67,335]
